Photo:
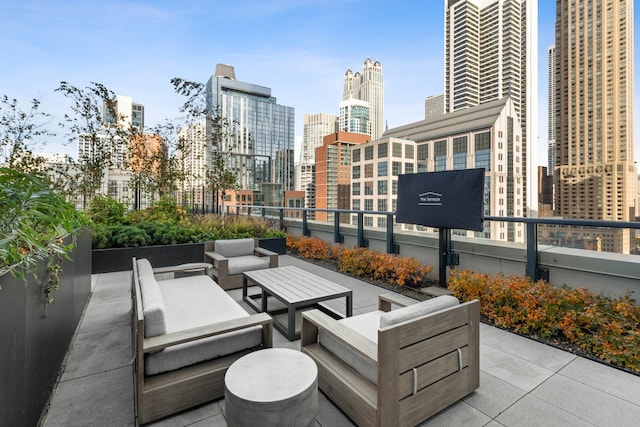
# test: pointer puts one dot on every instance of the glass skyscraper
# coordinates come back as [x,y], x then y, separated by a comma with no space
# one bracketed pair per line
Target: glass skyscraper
[262,140]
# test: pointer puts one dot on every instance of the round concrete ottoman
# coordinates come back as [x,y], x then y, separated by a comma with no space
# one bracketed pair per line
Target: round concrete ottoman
[272,387]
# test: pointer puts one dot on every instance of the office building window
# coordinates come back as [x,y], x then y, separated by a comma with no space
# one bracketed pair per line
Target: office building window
[382,168]
[382,187]
[383,150]
[368,152]
[396,168]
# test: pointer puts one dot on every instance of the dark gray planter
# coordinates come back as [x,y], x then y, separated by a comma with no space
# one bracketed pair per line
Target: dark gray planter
[35,336]
[275,244]
[119,259]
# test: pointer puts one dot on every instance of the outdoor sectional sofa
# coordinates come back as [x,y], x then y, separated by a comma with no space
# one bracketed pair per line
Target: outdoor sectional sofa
[232,257]
[396,367]
[187,332]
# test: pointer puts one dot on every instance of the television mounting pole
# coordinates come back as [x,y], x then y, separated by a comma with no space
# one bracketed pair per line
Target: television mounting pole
[447,256]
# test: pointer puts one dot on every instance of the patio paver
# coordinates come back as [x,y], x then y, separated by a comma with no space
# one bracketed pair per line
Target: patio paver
[522,382]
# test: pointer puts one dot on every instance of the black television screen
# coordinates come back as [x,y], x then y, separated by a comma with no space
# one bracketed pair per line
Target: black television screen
[449,199]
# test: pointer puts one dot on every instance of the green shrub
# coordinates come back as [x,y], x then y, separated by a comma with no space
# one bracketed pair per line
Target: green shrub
[130,236]
[102,236]
[106,211]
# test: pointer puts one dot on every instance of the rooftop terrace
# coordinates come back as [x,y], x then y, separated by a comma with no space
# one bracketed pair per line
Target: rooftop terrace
[522,382]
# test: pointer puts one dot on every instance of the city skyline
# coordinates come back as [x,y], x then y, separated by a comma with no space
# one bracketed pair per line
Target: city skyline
[298,49]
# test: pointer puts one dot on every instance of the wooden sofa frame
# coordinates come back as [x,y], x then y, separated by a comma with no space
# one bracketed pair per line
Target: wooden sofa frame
[423,365]
[160,395]
[220,267]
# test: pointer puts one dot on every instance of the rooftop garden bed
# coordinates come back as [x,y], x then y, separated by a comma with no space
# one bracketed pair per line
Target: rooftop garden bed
[577,320]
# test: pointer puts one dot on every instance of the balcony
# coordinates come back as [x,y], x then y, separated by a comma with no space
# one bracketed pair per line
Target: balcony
[522,382]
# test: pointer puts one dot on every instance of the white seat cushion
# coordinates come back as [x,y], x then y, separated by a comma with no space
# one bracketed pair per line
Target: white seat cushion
[198,301]
[234,247]
[240,264]
[416,310]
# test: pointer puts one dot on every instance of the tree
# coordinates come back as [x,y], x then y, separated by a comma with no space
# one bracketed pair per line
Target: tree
[102,145]
[220,174]
[19,131]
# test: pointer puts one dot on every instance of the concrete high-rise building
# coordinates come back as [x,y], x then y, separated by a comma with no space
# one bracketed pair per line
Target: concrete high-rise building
[486,136]
[594,172]
[262,140]
[367,86]
[595,175]
[316,127]
[333,173]
[491,52]
[355,116]
[551,149]
[193,158]
[434,106]
[126,111]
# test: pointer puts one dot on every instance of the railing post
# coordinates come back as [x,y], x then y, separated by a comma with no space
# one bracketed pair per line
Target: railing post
[281,218]
[533,270]
[362,242]
[337,237]
[392,248]
[305,225]
[264,212]
[248,211]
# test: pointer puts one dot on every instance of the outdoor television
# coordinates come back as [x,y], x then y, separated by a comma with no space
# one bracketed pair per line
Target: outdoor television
[449,199]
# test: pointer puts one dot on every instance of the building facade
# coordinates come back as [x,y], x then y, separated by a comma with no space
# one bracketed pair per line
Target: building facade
[333,173]
[374,178]
[487,136]
[316,127]
[368,86]
[551,114]
[595,175]
[355,116]
[262,140]
[594,110]
[491,52]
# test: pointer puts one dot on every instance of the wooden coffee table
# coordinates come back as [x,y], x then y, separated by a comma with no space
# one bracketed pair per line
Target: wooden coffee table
[295,288]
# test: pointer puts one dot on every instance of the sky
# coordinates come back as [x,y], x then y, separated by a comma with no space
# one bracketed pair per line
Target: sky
[298,48]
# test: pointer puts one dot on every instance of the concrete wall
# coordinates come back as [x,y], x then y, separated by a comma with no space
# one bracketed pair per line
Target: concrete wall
[602,272]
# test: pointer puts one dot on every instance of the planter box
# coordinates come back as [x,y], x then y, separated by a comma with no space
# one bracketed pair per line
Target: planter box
[35,335]
[119,259]
[275,244]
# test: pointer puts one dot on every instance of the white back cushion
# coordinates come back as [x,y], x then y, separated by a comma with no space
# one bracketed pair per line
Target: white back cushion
[416,310]
[234,247]
[153,308]
[144,268]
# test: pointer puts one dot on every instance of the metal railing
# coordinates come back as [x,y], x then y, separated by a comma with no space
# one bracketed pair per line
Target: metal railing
[448,256]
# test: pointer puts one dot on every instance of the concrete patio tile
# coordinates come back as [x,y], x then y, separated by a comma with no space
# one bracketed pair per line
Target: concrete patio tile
[494,395]
[98,351]
[215,421]
[106,315]
[494,423]
[588,403]
[209,413]
[112,287]
[330,415]
[511,369]
[104,399]
[606,378]
[458,414]
[533,412]
[541,354]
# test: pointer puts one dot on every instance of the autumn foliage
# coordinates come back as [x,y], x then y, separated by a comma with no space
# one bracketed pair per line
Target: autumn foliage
[361,262]
[608,328]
